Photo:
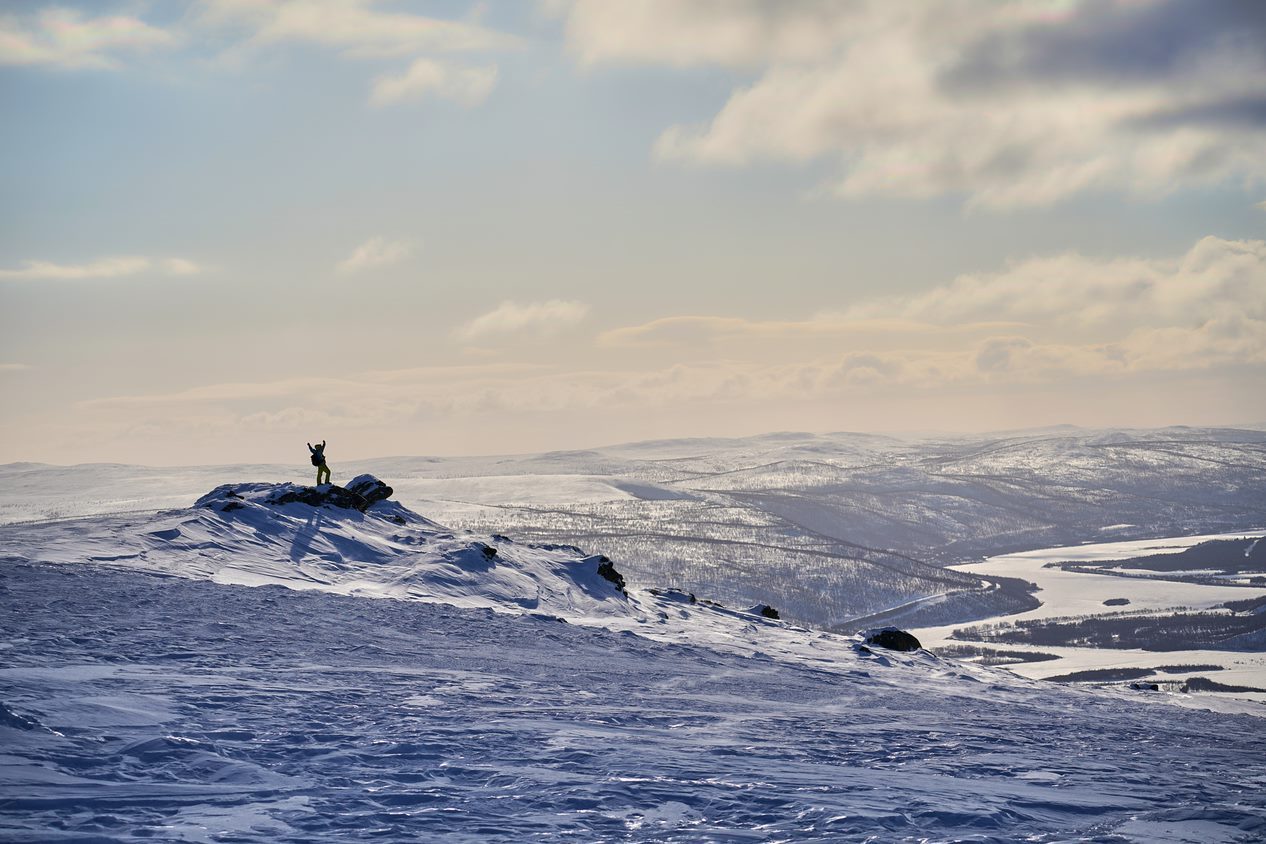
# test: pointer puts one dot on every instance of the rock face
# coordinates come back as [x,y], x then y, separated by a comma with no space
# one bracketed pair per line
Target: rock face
[319,496]
[363,492]
[606,570]
[893,639]
[370,488]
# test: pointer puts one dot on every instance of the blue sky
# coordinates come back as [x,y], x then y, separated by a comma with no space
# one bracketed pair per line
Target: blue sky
[406,227]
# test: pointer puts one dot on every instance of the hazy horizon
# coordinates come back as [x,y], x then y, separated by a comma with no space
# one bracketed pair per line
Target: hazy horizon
[461,228]
[912,437]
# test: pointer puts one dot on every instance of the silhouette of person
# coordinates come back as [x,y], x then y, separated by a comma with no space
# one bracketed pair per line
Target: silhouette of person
[318,460]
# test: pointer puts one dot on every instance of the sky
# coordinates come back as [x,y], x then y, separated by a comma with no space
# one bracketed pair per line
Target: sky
[230,227]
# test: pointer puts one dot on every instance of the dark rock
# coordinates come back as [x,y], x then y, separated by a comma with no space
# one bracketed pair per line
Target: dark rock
[1116,602]
[369,488]
[893,639]
[320,496]
[397,519]
[1145,687]
[765,611]
[487,550]
[232,505]
[607,572]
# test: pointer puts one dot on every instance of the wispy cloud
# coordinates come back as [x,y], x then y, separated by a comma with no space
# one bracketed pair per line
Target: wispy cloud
[66,38]
[535,317]
[364,29]
[1005,104]
[1059,316]
[704,330]
[425,78]
[376,252]
[360,28]
[114,267]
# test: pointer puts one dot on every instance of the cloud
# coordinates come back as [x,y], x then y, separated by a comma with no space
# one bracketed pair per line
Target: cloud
[116,267]
[707,330]
[466,86]
[510,318]
[376,252]
[14,367]
[1044,318]
[66,38]
[1215,279]
[360,28]
[1007,105]
[733,33]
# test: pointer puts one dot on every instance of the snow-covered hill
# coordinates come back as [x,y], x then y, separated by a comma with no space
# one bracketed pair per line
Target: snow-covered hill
[254,534]
[145,694]
[828,528]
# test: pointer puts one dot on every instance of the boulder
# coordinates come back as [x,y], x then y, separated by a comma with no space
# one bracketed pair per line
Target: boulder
[893,639]
[370,488]
[606,570]
[764,611]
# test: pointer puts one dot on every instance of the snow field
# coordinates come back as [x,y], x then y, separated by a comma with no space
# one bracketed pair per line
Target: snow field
[140,707]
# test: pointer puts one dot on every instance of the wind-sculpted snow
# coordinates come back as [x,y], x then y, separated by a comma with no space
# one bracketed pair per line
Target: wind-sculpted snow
[138,707]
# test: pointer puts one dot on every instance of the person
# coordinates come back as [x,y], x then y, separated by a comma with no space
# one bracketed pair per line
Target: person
[318,460]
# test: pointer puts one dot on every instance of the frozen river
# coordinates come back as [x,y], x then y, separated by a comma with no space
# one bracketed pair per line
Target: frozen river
[1069,593]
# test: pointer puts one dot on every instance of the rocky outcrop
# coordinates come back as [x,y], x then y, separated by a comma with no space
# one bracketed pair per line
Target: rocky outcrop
[606,570]
[319,496]
[893,639]
[370,488]
[765,611]
[361,493]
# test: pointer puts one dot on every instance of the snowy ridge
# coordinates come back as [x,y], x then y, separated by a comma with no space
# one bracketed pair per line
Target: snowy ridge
[254,534]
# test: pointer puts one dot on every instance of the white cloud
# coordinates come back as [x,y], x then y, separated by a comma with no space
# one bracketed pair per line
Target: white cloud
[510,318]
[1014,104]
[181,266]
[1215,279]
[708,330]
[66,38]
[376,252]
[737,33]
[466,86]
[358,27]
[1041,319]
[115,267]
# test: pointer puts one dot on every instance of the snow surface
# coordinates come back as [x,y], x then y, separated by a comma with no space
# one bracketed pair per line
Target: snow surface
[147,695]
